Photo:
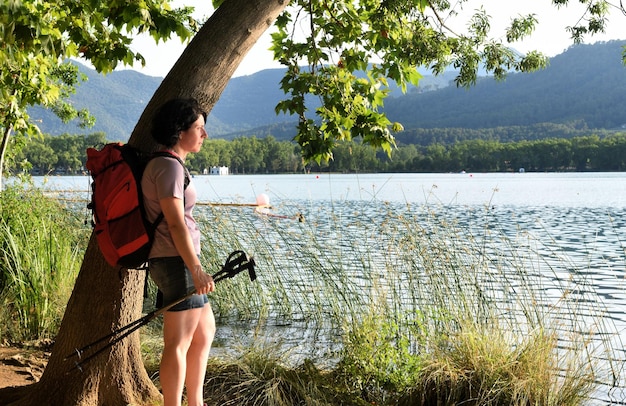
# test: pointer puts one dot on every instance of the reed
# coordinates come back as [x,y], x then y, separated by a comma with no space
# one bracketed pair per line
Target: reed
[41,245]
[259,377]
[413,298]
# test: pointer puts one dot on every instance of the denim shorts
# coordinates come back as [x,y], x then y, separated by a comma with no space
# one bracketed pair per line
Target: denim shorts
[174,282]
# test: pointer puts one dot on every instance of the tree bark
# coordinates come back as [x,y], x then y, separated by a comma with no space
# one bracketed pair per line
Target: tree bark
[104,298]
[3,149]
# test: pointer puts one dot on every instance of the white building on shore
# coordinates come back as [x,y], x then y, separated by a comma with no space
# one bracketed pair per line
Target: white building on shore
[217,170]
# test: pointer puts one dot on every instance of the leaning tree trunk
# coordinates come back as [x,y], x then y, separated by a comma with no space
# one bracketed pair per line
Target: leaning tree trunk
[3,148]
[105,299]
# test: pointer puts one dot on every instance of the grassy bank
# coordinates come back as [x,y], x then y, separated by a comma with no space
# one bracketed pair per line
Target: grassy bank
[41,249]
[400,305]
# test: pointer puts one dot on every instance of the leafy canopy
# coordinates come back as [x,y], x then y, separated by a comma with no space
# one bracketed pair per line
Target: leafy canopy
[345,52]
[38,36]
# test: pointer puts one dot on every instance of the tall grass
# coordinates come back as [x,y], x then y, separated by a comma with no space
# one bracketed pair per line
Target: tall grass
[492,367]
[420,306]
[41,248]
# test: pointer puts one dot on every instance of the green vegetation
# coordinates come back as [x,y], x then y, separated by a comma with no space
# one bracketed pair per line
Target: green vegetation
[436,314]
[38,39]
[400,37]
[250,155]
[41,246]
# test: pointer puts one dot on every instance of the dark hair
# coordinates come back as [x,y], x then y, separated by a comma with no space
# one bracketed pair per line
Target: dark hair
[173,117]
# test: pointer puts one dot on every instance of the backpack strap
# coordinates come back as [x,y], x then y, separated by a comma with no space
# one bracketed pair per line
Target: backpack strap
[168,154]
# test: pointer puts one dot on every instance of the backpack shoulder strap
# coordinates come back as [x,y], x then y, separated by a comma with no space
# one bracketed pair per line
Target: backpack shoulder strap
[168,154]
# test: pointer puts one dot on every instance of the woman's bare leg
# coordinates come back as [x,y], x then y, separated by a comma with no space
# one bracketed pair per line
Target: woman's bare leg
[178,332]
[197,356]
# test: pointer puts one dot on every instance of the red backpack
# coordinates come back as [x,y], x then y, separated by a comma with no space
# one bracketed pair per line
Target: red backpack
[122,230]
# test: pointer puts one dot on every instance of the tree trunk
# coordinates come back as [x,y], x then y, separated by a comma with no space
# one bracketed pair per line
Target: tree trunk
[105,299]
[3,148]
[207,64]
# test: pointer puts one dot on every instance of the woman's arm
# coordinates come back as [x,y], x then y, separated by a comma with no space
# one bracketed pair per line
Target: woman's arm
[174,213]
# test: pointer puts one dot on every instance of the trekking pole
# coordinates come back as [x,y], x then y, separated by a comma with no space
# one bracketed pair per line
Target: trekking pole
[236,262]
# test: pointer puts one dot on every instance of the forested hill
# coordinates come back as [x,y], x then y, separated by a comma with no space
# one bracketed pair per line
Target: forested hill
[583,89]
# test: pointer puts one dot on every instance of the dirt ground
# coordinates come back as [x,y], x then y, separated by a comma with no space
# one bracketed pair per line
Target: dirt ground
[21,366]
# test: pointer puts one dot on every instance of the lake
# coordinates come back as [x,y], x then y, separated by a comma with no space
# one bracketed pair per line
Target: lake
[511,189]
[580,218]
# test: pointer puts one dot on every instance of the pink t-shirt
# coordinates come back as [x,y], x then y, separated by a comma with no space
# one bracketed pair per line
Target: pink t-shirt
[165,177]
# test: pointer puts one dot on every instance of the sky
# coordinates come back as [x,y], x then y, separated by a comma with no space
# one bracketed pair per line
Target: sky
[550,37]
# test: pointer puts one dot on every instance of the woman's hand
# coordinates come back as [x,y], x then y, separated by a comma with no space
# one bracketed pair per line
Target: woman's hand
[202,281]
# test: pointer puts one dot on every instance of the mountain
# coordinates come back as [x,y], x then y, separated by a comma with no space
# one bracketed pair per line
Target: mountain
[585,84]
[116,100]
[582,88]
